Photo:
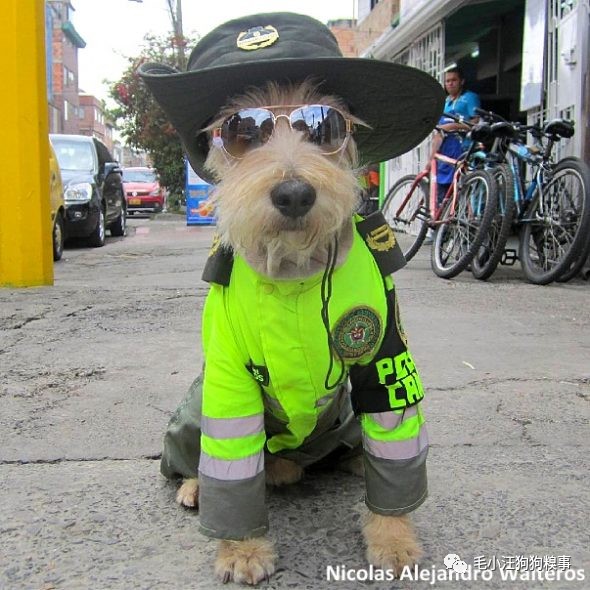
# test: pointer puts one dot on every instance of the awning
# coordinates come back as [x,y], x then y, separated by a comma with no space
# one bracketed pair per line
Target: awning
[73,35]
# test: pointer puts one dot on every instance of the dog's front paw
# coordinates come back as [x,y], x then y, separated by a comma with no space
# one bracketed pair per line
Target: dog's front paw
[281,472]
[188,493]
[391,542]
[245,562]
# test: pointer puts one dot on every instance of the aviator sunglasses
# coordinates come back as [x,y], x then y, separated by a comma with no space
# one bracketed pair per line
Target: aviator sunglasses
[247,129]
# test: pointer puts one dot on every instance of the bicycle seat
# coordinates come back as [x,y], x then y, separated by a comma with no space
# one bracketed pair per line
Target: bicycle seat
[559,128]
[504,130]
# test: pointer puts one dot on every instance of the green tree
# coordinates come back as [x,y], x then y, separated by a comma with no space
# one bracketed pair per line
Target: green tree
[142,122]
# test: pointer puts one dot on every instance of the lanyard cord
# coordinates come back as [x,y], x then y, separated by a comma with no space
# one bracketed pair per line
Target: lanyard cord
[326,293]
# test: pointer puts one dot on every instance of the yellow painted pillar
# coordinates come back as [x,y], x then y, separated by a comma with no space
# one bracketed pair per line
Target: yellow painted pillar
[26,255]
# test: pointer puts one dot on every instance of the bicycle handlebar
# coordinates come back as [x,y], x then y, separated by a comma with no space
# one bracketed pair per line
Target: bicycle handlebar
[535,130]
[457,119]
[490,115]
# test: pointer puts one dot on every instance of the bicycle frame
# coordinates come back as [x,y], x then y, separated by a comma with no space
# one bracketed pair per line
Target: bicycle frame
[523,197]
[430,172]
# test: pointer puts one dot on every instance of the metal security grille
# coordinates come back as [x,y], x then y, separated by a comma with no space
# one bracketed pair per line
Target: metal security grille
[566,62]
[425,53]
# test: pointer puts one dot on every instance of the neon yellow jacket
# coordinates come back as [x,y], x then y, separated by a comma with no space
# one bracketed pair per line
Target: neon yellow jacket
[266,351]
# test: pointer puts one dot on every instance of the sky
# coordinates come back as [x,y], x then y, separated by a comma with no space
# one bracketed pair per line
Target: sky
[114,29]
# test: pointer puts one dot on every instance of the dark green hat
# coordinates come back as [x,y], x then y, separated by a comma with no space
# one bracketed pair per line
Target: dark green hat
[401,104]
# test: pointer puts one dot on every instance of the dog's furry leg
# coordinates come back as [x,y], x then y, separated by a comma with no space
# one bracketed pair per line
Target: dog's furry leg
[246,562]
[280,472]
[188,493]
[354,465]
[391,542]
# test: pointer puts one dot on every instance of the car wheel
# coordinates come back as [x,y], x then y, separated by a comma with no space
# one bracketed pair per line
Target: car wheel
[119,226]
[58,237]
[97,237]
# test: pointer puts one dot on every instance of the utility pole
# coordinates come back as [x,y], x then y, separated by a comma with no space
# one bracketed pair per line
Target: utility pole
[178,35]
[178,39]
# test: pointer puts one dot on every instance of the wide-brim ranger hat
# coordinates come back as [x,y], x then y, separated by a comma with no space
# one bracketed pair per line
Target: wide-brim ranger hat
[400,104]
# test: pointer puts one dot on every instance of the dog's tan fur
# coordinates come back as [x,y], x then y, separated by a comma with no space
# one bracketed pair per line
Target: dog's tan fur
[282,247]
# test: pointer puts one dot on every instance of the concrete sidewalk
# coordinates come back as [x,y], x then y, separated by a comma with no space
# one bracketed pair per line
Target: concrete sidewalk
[92,367]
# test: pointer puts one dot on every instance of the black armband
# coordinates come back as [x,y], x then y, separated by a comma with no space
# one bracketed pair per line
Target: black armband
[390,381]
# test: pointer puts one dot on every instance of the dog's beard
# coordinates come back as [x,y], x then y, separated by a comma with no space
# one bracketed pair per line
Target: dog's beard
[293,251]
[283,247]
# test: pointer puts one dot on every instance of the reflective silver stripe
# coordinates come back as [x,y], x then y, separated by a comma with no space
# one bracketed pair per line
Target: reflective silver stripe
[232,427]
[397,449]
[391,420]
[231,470]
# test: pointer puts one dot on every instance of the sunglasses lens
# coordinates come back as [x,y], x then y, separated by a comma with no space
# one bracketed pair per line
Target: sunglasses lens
[323,126]
[245,130]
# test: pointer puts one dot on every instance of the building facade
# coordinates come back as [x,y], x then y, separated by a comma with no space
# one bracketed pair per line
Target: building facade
[63,42]
[527,59]
[93,121]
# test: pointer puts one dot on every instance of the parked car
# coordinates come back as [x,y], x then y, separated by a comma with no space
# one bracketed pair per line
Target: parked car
[93,188]
[58,209]
[143,191]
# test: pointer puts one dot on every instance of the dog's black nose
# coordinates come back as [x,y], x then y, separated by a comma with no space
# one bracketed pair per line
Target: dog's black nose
[293,198]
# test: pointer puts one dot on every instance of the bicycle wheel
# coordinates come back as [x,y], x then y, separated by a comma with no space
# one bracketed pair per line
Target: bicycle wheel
[489,254]
[577,266]
[555,230]
[408,215]
[461,233]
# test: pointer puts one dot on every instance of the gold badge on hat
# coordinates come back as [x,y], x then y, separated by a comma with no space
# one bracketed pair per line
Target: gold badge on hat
[381,239]
[257,37]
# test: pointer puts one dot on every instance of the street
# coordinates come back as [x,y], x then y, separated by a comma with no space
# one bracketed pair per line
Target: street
[92,367]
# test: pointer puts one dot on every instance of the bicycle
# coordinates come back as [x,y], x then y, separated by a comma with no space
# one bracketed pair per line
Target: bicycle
[491,251]
[459,221]
[551,212]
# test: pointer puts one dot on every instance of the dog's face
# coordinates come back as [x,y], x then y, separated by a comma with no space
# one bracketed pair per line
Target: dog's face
[286,189]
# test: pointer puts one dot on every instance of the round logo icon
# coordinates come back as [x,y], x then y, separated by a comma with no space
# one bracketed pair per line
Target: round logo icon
[454,562]
[356,333]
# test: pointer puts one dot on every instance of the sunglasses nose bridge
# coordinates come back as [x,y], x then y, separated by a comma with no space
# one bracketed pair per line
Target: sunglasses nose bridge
[282,116]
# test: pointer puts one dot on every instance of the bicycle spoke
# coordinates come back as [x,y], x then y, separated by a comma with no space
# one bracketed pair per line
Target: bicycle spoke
[406,210]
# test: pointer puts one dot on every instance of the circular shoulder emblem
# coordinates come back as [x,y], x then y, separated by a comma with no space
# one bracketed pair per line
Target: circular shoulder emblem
[357,332]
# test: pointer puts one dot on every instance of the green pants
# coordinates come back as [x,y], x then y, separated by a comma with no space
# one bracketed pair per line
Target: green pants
[337,434]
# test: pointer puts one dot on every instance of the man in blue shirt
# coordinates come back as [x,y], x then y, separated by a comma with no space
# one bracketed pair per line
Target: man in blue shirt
[461,103]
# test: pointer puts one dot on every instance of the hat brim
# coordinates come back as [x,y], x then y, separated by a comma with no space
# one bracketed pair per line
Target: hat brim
[400,104]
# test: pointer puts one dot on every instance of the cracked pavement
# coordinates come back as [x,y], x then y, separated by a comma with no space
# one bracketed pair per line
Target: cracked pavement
[92,367]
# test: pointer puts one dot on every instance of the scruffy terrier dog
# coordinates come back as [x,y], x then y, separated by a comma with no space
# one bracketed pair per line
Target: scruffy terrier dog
[305,354]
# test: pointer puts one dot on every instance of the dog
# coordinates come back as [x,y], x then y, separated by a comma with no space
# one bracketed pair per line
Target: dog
[305,353]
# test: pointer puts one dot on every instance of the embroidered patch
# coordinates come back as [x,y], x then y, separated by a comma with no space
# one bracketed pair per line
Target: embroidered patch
[381,239]
[257,37]
[357,333]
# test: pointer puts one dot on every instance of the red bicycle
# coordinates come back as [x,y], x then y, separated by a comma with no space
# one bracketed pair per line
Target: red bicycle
[460,221]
